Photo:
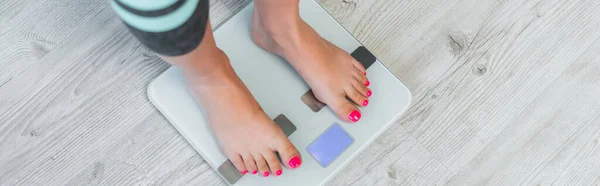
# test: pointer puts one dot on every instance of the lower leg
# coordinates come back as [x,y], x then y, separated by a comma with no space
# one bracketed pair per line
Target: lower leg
[204,62]
[246,135]
[332,73]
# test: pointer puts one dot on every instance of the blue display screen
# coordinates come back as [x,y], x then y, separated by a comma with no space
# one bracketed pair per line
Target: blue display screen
[330,145]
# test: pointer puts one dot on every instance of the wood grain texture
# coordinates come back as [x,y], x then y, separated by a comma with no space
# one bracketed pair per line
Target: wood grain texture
[506,93]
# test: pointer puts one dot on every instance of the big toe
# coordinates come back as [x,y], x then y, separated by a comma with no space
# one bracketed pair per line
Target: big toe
[288,153]
[346,110]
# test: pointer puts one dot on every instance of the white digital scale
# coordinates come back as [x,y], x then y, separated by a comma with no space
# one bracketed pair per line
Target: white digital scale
[326,143]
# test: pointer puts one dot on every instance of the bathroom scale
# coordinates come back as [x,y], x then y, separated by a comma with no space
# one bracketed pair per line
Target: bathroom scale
[326,143]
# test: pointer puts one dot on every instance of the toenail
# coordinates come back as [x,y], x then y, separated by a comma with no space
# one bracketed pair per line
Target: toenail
[354,116]
[266,174]
[365,73]
[254,171]
[294,162]
[369,93]
[367,83]
[244,172]
[365,102]
[278,172]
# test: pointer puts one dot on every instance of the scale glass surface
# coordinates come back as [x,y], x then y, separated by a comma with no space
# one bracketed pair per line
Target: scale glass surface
[325,142]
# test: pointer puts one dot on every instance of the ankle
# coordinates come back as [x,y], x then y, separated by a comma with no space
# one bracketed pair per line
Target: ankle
[280,29]
[212,68]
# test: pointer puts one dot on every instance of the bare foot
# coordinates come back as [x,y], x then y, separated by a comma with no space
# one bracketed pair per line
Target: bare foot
[332,73]
[246,135]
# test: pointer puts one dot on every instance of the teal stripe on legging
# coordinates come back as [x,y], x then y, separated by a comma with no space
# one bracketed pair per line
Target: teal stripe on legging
[157,24]
[148,5]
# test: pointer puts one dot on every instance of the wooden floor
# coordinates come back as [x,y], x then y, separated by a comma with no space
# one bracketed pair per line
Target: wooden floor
[506,92]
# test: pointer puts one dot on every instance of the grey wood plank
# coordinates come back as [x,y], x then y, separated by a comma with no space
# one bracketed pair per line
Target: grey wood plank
[552,141]
[478,69]
[79,113]
[395,158]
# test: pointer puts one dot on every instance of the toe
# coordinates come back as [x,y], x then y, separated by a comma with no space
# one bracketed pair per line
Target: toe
[357,97]
[273,163]
[362,78]
[238,162]
[250,164]
[359,67]
[361,88]
[360,75]
[263,168]
[288,153]
[345,110]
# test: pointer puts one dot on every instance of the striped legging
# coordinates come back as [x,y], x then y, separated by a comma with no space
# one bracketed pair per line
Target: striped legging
[168,27]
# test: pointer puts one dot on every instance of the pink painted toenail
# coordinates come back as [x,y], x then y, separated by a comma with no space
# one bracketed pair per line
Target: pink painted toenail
[365,102]
[367,83]
[354,116]
[244,172]
[266,174]
[278,172]
[365,73]
[369,93]
[254,171]
[294,162]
